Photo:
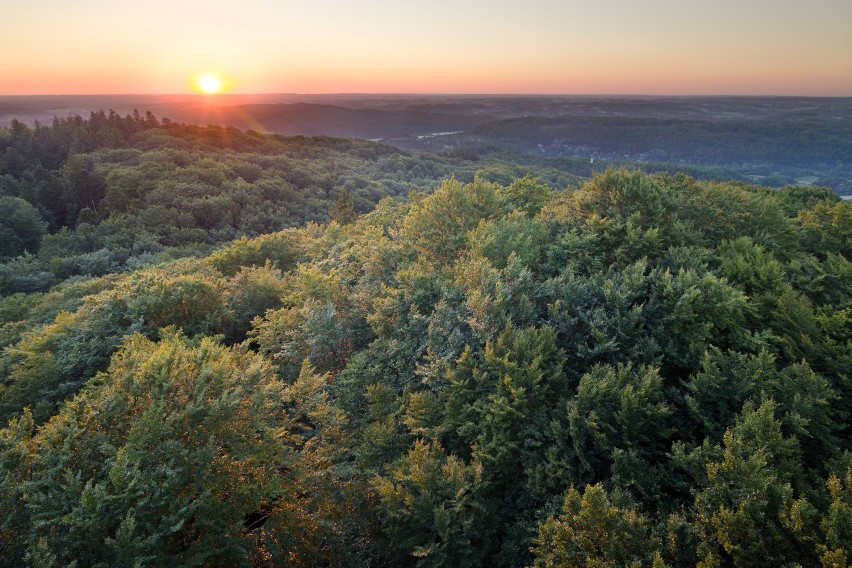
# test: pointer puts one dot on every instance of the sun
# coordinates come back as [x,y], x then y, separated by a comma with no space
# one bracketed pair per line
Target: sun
[210,84]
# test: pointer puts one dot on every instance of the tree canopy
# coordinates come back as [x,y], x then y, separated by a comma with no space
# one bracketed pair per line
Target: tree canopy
[640,371]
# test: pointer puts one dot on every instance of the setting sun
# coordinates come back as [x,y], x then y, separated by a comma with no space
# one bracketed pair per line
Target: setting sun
[210,84]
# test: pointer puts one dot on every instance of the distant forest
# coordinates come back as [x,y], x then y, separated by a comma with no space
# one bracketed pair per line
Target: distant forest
[804,144]
[771,141]
[223,348]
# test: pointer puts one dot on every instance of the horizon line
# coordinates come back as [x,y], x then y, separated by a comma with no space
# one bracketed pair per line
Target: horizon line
[427,94]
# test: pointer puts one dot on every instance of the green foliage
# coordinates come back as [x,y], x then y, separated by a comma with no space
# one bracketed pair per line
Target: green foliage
[322,326]
[437,226]
[591,532]
[498,405]
[21,227]
[251,293]
[837,524]
[740,513]
[527,194]
[515,234]
[193,302]
[118,191]
[52,362]
[278,248]
[617,409]
[430,512]
[827,228]
[342,209]
[667,359]
[159,460]
[84,187]
[798,198]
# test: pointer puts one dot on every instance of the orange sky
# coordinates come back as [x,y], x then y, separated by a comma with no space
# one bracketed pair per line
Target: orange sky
[783,47]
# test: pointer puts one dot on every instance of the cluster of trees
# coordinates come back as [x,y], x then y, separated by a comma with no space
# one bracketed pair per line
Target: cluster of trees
[644,371]
[111,193]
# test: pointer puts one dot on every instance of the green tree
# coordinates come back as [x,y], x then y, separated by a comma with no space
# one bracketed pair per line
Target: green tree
[195,302]
[84,187]
[618,409]
[342,208]
[438,224]
[591,532]
[430,511]
[21,227]
[837,523]
[160,460]
[826,228]
[250,294]
[741,510]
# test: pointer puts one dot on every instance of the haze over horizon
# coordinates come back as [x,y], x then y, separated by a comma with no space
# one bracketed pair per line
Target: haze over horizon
[612,47]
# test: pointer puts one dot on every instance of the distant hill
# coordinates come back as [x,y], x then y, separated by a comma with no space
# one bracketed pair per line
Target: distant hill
[805,142]
[313,119]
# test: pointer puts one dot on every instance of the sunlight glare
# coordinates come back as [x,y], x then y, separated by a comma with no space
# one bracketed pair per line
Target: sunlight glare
[210,84]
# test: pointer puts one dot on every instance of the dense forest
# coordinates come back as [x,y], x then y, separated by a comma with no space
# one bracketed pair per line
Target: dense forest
[223,348]
[101,195]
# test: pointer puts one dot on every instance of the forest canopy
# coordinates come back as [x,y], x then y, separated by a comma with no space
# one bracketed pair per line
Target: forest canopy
[636,371]
[89,197]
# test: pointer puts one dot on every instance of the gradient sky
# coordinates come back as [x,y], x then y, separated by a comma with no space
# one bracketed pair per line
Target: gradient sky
[781,47]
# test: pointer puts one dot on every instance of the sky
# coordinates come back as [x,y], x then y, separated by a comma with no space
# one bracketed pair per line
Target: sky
[673,47]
